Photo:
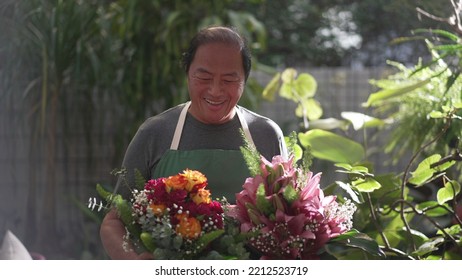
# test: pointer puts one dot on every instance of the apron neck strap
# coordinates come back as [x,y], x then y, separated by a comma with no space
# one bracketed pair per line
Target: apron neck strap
[244,125]
[181,120]
[179,127]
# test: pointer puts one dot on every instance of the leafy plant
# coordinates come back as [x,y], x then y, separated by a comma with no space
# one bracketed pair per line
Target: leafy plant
[411,214]
[73,68]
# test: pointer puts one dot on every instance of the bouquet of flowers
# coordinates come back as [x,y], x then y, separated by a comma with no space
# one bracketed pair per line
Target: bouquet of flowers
[284,211]
[175,218]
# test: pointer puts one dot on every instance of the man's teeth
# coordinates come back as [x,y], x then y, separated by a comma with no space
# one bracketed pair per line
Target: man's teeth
[213,102]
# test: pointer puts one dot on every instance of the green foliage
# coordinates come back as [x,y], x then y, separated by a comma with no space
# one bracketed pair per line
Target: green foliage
[427,169]
[231,244]
[449,192]
[251,156]
[290,194]
[333,147]
[354,245]
[360,178]
[382,96]
[263,204]
[420,107]
[73,68]
[293,147]
[298,88]
[420,110]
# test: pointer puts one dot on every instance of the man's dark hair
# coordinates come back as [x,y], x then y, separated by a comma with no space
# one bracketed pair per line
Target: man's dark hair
[215,34]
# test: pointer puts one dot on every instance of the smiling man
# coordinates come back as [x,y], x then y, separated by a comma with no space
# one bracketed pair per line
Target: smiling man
[202,134]
[216,79]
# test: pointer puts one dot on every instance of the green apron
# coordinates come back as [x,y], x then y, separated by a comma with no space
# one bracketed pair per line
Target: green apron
[225,170]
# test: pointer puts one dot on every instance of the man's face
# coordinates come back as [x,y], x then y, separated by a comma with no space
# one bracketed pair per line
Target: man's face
[216,82]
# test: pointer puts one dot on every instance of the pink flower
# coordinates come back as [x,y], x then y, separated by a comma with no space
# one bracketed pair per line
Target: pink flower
[246,197]
[287,213]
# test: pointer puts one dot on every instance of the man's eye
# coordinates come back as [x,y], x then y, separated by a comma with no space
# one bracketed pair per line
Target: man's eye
[203,78]
[231,80]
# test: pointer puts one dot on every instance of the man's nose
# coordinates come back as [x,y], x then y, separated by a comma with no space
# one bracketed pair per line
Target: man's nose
[216,87]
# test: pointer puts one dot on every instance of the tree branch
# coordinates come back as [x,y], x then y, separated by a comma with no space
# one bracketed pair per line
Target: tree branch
[453,20]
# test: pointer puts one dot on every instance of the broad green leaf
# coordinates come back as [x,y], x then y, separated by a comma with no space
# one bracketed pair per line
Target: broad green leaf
[349,190]
[436,115]
[419,179]
[287,91]
[148,242]
[288,75]
[329,124]
[366,185]
[445,108]
[429,247]
[432,209]
[306,86]
[424,172]
[360,169]
[207,238]
[298,152]
[453,230]
[433,258]
[340,251]
[448,192]
[125,214]
[345,166]
[309,108]
[419,237]
[271,88]
[355,172]
[444,166]
[332,147]
[385,94]
[359,120]
[362,241]
[390,190]
[296,149]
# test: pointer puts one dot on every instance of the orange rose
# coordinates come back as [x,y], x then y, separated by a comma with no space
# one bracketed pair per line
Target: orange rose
[176,182]
[194,178]
[201,196]
[157,209]
[188,227]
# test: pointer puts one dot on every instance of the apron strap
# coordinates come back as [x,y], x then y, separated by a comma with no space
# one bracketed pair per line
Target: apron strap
[245,127]
[179,127]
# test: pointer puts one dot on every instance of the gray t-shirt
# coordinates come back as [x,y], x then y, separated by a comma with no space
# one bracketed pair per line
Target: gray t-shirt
[155,135]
